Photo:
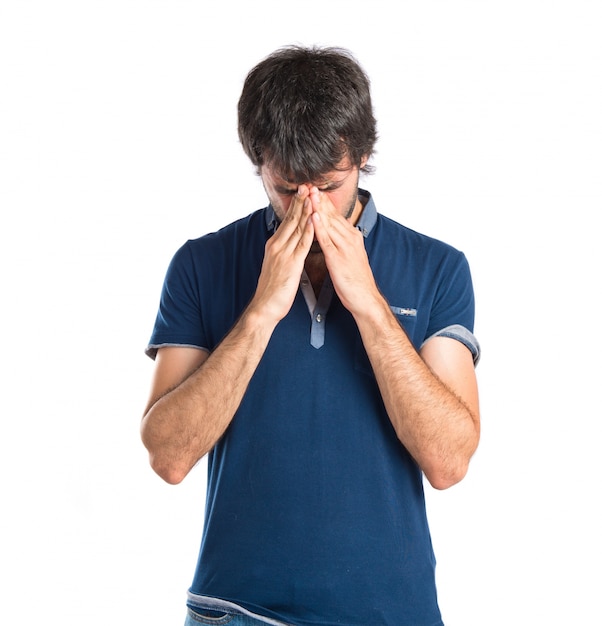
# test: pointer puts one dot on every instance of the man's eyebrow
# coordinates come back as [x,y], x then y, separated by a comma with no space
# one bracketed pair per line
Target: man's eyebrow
[288,186]
[333,184]
[283,189]
[324,186]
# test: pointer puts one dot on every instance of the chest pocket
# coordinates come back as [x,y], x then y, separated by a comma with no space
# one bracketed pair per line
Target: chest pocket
[407,317]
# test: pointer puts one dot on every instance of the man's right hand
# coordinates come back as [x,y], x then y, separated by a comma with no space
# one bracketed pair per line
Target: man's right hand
[285,254]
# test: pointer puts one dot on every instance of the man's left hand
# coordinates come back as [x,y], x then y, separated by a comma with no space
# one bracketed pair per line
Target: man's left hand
[343,247]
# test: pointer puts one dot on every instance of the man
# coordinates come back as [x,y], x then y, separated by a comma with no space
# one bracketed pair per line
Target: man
[323,356]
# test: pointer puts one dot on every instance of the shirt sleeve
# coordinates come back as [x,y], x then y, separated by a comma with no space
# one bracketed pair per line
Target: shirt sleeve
[453,312]
[179,319]
[463,335]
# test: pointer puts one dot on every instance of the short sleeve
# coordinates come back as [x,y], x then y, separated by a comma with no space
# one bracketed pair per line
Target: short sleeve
[453,311]
[179,320]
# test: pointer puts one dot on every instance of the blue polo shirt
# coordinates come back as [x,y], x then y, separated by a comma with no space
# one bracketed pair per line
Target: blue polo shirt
[315,512]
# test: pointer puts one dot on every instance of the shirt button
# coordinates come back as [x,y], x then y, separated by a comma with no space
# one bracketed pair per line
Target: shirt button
[319,318]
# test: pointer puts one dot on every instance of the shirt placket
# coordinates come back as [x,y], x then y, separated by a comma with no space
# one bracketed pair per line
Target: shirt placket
[318,308]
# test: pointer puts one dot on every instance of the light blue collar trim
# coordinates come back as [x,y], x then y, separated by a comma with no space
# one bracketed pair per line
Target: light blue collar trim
[369,215]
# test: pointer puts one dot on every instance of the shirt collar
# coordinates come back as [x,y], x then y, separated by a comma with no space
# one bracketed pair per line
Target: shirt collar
[368,216]
[271,221]
[365,223]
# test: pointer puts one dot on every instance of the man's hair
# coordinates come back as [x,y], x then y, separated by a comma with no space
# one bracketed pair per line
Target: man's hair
[302,110]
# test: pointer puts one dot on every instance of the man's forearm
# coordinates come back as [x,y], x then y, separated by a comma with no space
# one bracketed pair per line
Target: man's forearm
[435,426]
[185,423]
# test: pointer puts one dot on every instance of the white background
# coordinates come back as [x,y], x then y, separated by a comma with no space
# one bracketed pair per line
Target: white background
[118,142]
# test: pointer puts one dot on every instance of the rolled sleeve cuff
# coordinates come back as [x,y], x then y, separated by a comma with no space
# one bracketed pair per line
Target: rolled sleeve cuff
[463,335]
[151,349]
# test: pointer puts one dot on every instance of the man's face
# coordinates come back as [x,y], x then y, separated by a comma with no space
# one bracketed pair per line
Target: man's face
[339,185]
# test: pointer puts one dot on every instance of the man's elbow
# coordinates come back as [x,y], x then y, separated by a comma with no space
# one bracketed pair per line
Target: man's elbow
[165,465]
[447,470]
[444,473]
[445,478]
[172,473]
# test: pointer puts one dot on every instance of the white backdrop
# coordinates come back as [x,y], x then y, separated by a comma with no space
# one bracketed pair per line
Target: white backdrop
[118,142]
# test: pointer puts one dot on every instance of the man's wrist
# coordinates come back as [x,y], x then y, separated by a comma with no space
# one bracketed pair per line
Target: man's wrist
[374,313]
[257,318]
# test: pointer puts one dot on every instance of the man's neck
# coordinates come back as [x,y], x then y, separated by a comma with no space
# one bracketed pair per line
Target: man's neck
[315,268]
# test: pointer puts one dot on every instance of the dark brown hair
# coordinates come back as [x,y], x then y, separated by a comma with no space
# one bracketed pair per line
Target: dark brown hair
[302,110]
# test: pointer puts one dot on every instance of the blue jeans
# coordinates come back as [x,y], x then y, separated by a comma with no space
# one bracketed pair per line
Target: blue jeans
[202,617]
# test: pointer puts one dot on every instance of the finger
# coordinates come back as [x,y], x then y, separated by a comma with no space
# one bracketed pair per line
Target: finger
[293,222]
[298,232]
[321,231]
[321,203]
[295,209]
[340,226]
[307,235]
[330,220]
